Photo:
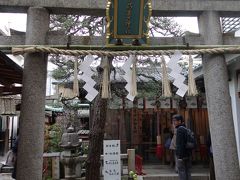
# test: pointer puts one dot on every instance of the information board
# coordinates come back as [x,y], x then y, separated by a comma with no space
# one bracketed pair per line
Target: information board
[111,160]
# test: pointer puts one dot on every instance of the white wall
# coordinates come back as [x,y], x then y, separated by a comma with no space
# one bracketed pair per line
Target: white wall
[49,85]
[235,100]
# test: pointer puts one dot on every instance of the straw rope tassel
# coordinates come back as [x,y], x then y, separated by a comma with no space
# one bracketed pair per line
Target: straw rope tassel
[75,81]
[105,82]
[133,90]
[166,90]
[192,90]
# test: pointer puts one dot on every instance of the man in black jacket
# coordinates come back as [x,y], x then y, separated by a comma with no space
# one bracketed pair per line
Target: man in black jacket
[211,163]
[183,154]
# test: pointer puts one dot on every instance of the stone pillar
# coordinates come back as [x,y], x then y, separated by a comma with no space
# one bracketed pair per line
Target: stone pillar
[56,168]
[131,160]
[31,140]
[218,100]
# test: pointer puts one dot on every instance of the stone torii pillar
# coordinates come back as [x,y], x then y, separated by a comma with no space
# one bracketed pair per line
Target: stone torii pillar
[218,101]
[31,139]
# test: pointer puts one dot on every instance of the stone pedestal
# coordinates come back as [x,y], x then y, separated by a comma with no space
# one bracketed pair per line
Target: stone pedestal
[70,163]
[70,157]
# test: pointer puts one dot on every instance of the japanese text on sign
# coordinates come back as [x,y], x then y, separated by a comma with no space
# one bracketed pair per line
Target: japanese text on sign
[112,160]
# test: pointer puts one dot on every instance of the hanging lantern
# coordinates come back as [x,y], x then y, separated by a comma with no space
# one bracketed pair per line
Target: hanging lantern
[7,106]
[159,148]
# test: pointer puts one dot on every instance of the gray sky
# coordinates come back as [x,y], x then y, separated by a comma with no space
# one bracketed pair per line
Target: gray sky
[18,22]
[15,21]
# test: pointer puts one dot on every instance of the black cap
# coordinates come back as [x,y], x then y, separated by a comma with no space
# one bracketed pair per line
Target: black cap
[177,117]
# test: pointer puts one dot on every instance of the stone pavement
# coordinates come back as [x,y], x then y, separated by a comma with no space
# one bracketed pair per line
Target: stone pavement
[5,176]
[154,172]
[164,172]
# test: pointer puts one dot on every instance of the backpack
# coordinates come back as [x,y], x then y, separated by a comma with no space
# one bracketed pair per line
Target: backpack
[191,141]
[168,143]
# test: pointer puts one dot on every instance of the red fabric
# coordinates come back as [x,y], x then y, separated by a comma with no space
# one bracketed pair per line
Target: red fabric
[203,150]
[159,151]
[138,165]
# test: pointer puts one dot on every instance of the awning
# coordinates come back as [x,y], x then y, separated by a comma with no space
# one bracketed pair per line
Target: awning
[10,74]
[50,108]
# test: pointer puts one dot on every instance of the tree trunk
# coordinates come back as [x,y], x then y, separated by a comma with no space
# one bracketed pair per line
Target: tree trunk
[96,135]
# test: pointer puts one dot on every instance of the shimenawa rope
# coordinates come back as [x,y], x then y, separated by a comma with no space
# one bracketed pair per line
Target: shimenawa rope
[20,51]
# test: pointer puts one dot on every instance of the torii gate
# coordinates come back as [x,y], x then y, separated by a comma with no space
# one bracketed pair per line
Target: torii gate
[35,70]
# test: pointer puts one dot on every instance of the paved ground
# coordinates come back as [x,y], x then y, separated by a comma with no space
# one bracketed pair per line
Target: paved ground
[5,176]
[163,172]
[152,172]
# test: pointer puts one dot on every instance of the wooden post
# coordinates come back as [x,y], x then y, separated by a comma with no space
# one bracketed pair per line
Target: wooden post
[6,141]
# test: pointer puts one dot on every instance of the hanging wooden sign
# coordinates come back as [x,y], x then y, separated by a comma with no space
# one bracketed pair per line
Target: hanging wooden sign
[191,102]
[128,21]
[7,106]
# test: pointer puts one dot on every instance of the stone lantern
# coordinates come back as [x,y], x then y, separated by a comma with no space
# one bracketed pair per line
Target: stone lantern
[70,157]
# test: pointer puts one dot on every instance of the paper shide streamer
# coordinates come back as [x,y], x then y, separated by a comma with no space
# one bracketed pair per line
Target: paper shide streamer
[130,77]
[87,77]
